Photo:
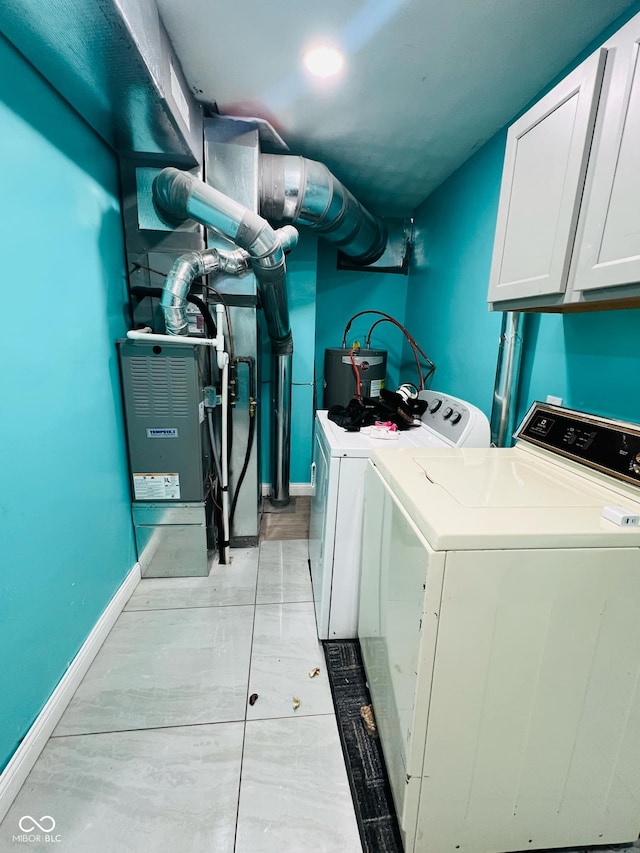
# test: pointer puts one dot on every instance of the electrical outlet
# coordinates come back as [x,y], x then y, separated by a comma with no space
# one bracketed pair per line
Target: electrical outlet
[554,401]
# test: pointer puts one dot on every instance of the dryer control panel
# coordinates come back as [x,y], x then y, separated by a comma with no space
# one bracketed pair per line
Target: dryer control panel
[447,416]
[606,445]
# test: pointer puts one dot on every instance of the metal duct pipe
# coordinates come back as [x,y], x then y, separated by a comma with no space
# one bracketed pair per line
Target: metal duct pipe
[281,438]
[505,392]
[294,189]
[182,196]
[185,269]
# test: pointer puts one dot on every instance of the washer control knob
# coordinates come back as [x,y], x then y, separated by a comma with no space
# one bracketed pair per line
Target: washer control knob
[447,413]
[435,405]
[456,417]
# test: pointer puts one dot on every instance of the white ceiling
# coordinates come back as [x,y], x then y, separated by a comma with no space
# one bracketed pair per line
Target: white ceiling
[426,82]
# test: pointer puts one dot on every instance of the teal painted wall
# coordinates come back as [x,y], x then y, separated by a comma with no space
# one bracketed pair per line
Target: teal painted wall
[590,360]
[343,293]
[65,527]
[448,281]
[301,292]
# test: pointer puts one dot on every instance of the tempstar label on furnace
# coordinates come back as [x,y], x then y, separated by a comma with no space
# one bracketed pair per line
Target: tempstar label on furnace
[156,487]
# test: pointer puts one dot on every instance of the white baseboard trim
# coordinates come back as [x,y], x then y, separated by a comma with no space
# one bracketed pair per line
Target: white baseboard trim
[296,490]
[15,773]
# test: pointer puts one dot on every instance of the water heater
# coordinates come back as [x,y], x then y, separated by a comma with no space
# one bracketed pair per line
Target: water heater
[340,374]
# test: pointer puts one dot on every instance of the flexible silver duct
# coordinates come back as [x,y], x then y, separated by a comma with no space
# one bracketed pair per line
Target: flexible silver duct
[294,189]
[180,195]
[505,392]
[185,269]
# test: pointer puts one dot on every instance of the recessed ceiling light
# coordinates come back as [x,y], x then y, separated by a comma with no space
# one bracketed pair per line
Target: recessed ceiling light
[323,61]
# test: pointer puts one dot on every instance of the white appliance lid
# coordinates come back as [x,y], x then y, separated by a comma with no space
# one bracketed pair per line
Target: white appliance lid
[362,444]
[502,498]
[506,481]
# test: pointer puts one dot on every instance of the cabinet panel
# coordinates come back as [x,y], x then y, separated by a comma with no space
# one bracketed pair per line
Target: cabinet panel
[399,609]
[545,163]
[322,532]
[609,250]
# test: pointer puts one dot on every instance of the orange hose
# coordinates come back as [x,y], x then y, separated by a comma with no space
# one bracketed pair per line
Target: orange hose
[356,370]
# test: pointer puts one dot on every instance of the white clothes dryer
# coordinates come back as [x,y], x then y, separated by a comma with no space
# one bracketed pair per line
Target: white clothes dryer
[339,465]
[500,632]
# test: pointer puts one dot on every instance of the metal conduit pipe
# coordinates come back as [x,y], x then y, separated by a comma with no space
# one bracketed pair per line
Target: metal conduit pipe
[181,276]
[182,196]
[305,192]
[505,392]
[281,378]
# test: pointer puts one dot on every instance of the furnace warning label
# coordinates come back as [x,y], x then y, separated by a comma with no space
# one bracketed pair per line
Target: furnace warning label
[156,487]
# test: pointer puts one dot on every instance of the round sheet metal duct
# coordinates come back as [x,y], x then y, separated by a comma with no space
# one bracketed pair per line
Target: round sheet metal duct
[294,189]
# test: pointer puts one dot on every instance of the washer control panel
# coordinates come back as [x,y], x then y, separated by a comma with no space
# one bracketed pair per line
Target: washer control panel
[603,444]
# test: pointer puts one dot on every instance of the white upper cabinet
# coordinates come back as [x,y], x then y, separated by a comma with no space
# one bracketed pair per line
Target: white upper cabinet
[545,163]
[608,251]
[568,229]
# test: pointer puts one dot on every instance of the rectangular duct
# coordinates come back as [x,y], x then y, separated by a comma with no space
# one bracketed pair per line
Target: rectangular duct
[113,62]
[232,151]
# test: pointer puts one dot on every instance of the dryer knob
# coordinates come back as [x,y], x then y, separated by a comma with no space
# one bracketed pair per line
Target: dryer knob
[447,413]
[456,417]
[435,405]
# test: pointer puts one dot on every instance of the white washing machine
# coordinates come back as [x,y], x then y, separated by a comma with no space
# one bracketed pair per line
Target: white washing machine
[500,631]
[335,530]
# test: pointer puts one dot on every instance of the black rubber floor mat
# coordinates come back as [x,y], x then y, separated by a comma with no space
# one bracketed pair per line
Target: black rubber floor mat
[363,754]
[365,764]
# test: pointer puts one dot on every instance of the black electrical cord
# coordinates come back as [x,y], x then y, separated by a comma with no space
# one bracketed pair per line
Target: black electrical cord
[251,364]
[202,306]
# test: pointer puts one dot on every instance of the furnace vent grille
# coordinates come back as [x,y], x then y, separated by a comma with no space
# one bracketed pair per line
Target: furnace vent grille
[159,386]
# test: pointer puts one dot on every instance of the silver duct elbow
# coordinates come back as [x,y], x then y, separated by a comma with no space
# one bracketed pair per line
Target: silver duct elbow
[184,271]
[294,189]
[179,195]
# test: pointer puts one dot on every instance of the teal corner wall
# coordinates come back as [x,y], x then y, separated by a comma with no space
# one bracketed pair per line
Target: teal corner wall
[590,360]
[448,281]
[343,293]
[65,524]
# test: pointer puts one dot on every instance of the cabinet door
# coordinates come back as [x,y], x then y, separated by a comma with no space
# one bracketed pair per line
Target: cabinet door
[609,250]
[544,168]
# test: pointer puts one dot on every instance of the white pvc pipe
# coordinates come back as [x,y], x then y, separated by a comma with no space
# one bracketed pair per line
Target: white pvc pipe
[141,335]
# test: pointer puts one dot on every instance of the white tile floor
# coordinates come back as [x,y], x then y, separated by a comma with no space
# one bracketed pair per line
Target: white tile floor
[159,749]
